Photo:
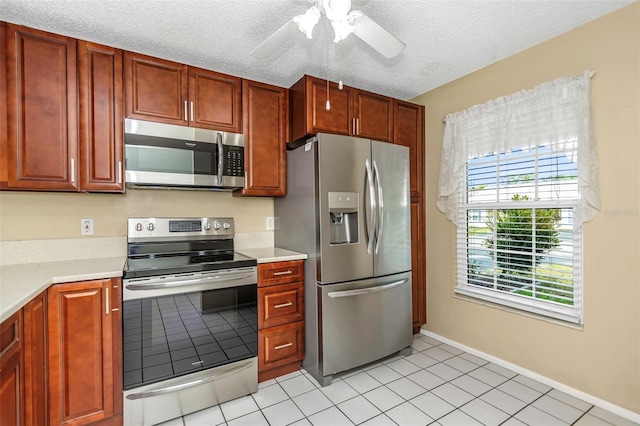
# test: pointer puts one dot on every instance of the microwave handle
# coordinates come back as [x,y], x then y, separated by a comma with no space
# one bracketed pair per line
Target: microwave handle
[220,156]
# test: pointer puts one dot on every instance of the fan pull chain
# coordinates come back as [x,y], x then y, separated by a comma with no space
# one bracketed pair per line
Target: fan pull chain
[327,106]
[339,56]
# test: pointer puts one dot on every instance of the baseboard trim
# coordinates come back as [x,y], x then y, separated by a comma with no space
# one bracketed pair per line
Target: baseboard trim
[616,409]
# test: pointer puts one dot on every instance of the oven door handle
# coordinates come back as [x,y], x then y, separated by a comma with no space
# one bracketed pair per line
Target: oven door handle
[187,385]
[184,283]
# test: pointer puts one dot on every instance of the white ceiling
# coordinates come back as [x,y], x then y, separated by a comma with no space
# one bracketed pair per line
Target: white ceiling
[445,39]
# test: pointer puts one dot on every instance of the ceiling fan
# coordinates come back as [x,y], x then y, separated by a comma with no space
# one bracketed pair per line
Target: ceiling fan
[344,22]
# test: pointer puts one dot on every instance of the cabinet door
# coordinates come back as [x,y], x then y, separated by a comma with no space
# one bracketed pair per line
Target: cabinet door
[42,110]
[373,116]
[418,274]
[309,114]
[35,360]
[155,89]
[80,352]
[265,117]
[11,371]
[214,101]
[409,131]
[101,133]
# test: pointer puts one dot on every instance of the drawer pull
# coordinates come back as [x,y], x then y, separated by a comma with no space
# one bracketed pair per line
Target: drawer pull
[275,274]
[286,345]
[283,305]
[115,309]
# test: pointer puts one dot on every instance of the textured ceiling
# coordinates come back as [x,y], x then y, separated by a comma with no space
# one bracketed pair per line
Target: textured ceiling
[445,39]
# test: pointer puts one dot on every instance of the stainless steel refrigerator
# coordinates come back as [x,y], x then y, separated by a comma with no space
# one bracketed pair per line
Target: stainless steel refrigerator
[348,208]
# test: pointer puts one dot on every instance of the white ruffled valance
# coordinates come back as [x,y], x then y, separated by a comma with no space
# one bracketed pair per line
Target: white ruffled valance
[555,114]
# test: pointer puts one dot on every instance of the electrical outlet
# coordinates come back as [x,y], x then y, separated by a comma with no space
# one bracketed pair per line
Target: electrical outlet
[86,226]
[270,223]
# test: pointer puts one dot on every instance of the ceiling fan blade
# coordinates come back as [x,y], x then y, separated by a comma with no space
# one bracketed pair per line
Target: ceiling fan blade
[276,40]
[377,37]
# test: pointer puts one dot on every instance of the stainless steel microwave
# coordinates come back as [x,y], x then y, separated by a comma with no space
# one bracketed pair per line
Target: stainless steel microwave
[159,155]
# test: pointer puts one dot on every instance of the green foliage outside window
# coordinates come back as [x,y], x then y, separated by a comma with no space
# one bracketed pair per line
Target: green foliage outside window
[516,253]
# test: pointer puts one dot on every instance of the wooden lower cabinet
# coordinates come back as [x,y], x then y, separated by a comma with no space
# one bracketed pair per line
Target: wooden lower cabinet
[35,360]
[280,318]
[83,369]
[11,371]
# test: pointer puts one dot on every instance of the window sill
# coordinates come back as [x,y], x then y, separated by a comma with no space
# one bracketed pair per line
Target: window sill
[473,297]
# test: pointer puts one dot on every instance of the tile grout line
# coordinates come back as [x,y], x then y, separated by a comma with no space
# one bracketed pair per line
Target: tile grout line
[405,376]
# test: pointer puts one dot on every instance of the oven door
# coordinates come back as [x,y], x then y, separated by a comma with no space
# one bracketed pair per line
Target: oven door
[189,342]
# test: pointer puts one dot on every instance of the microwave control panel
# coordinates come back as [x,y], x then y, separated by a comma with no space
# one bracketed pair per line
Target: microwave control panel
[234,161]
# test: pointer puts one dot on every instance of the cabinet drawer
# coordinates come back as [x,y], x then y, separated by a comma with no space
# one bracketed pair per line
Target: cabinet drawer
[10,336]
[280,304]
[280,272]
[280,345]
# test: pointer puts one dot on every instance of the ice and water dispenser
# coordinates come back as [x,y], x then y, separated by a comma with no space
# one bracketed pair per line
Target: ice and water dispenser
[343,217]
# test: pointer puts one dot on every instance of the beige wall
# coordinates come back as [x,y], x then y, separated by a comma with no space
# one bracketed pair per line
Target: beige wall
[35,216]
[603,357]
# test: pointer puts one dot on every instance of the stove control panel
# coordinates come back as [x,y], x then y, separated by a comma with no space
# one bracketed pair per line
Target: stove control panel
[155,228]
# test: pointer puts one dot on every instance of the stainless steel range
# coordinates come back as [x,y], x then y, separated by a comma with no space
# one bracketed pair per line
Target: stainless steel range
[189,318]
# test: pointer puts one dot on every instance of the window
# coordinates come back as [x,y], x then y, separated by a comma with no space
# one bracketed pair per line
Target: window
[518,178]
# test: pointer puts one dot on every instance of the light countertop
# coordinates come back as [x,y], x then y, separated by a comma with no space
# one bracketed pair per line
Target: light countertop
[271,254]
[22,282]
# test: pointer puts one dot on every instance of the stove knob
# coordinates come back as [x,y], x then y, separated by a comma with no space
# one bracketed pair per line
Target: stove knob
[216,225]
[226,225]
[207,227]
[150,227]
[138,227]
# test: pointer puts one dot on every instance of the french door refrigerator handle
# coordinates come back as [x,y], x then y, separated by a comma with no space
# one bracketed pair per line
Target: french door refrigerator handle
[368,290]
[370,214]
[376,175]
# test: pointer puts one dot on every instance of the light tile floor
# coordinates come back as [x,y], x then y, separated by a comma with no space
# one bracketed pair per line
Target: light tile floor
[437,385]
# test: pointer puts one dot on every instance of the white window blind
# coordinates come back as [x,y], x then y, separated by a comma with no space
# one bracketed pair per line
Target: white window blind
[518,178]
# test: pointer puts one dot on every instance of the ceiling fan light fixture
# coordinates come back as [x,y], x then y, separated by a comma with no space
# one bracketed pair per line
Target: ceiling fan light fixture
[341,30]
[344,22]
[307,22]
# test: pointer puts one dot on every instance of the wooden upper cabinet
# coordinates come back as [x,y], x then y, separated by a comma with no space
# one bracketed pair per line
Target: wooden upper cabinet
[42,139]
[352,112]
[214,100]
[308,99]
[173,93]
[409,131]
[266,125]
[80,355]
[155,89]
[373,116]
[101,132]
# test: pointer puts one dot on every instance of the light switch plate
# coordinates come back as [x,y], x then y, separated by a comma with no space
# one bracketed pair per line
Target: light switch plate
[86,226]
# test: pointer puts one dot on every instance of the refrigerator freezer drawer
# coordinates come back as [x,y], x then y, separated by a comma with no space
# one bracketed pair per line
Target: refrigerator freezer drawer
[364,321]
